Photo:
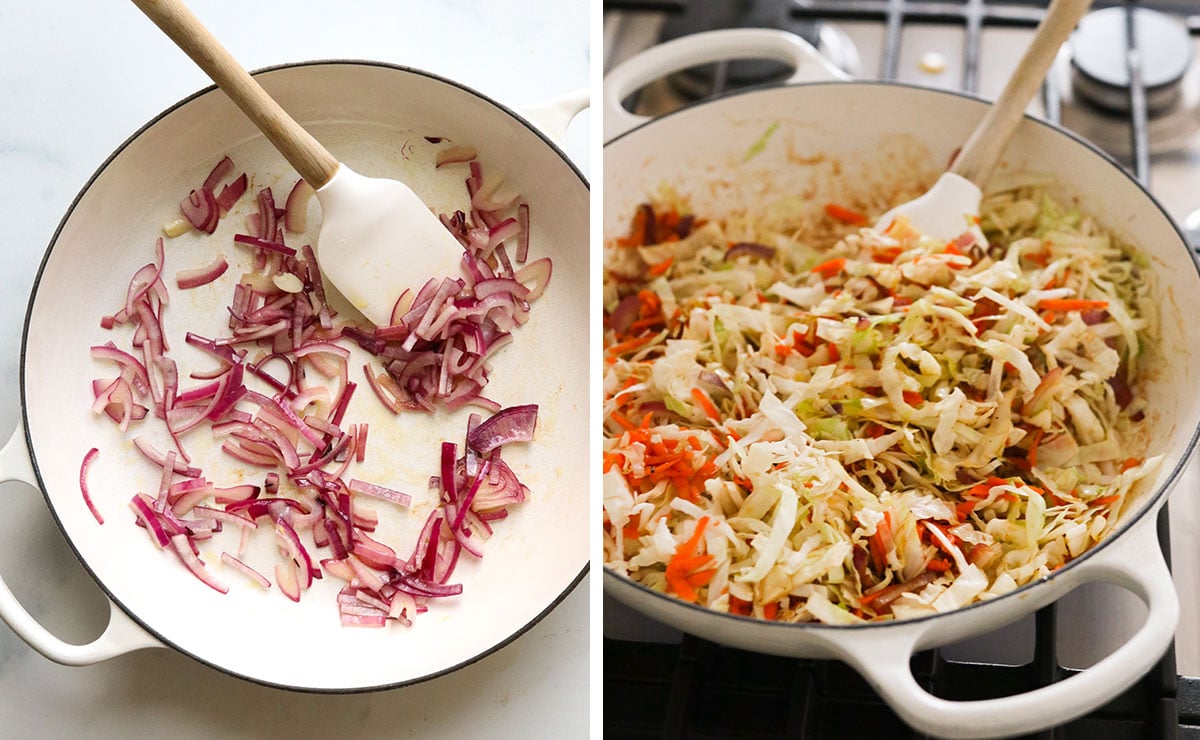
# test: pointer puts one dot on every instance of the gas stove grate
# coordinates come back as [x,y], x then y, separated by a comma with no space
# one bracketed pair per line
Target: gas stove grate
[974,15]
[697,689]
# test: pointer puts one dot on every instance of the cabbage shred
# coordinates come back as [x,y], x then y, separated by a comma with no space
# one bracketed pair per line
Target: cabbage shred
[809,421]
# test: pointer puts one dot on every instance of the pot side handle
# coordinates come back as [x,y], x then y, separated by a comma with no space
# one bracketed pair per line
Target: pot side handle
[1135,563]
[707,47]
[122,635]
[553,116]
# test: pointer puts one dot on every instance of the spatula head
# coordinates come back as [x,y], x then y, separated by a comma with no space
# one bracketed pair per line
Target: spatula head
[944,212]
[378,239]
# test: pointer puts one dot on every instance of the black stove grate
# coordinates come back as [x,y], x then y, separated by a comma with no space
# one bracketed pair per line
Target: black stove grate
[697,689]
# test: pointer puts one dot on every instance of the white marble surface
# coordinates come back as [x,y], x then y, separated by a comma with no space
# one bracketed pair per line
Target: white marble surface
[76,78]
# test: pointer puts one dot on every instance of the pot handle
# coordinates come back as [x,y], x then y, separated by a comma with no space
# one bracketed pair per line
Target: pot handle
[703,48]
[122,635]
[552,117]
[1135,563]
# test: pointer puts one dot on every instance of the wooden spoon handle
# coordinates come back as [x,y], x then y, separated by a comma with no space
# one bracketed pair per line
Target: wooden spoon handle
[313,161]
[982,151]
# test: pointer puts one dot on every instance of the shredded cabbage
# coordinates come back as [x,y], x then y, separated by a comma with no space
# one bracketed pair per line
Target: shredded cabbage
[808,421]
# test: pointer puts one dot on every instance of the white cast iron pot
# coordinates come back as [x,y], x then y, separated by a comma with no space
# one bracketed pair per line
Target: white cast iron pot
[832,133]
[374,117]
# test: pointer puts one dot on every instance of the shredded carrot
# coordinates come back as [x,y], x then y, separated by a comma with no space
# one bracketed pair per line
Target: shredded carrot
[938,565]
[913,398]
[1104,500]
[1132,462]
[622,420]
[829,268]
[632,529]
[771,611]
[661,268]
[706,405]
[684,574]
[886,255]
[881,542]
[737,606]
[623,347]
[845,215]
[1034,441]
[964,509]
[1070,304]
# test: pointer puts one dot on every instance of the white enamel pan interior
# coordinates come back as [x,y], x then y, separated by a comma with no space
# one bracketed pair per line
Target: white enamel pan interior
[373,117]
[825,140]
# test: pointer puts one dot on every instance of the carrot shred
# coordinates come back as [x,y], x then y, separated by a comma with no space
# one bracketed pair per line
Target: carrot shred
[771,611]
[1104,500]
[913,398]
[623,347]
[845,215]
[964,509]
[1070,304]
[1132,462]
[881,542]
[1034,441]
[632,528]
[706,405]
[622,420]
[684,564]
[661,268]
[831,267]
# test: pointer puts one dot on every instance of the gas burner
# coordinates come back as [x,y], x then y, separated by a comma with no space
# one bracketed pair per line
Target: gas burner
[1096,101]
[700,82]
[1101,75]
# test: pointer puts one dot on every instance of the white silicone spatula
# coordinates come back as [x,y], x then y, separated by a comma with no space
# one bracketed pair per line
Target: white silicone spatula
[948,209]
[377,238]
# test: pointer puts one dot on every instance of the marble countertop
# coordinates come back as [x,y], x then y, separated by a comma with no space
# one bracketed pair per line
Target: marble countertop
[76,79]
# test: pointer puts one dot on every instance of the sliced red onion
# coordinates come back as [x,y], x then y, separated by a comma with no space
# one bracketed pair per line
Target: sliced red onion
[270,246]
[290,543]
[523,236]
[245,570]
[437,350]
[513,424]
[750,249]
[201,210]
[538,272]
[152,454]
[268,215]
[186,279]
[83,484]
[376,491]
[218,173]
[232,193]
[295,217]
[287,575]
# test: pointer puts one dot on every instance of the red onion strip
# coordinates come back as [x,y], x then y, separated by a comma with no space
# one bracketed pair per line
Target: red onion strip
[83,484]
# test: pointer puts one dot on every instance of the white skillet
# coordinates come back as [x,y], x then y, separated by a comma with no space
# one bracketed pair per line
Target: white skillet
[376,117]
[828,139]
